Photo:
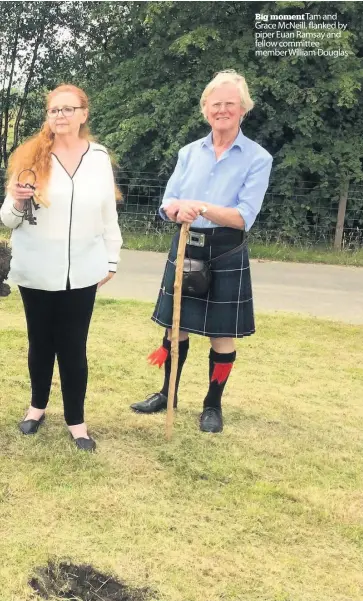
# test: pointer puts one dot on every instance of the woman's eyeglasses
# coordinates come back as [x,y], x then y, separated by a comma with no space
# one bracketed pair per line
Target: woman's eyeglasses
[67,111]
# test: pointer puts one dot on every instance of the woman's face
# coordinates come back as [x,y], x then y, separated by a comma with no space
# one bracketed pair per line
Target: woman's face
[68,122]
[223,108]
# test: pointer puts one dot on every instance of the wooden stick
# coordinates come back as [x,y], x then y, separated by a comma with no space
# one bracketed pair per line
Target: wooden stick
[178,282]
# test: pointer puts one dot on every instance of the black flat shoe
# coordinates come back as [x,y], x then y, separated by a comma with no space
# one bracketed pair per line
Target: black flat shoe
[154,403]
[31,426]
[211,420]
[84,444]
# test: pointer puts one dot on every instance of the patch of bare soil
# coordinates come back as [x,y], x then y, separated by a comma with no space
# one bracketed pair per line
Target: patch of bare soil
[82,583]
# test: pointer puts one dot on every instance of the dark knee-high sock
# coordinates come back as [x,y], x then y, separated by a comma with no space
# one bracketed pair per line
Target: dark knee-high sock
[220,365]
[183,352]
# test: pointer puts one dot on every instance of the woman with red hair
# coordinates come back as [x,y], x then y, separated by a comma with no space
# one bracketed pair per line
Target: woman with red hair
[61,206]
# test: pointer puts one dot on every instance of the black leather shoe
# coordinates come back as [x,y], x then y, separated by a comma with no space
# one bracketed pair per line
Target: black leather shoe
[31,426]
[211,420]
[84,444]
[154,403]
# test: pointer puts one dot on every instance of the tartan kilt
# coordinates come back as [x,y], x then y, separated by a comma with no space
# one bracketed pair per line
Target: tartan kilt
[227,309]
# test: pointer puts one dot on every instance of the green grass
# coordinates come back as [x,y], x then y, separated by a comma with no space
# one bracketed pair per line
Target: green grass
[315,254]
[5,233]
[271,510]
[151,242]
[272,252]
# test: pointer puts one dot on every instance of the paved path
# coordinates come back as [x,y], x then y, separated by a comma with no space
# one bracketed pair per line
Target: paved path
[320,290]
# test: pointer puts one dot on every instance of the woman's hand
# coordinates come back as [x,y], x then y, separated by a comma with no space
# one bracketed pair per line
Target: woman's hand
[20,194]
[106,279]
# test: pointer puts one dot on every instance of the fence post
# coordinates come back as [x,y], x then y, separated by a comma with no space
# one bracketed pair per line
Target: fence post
[341,215]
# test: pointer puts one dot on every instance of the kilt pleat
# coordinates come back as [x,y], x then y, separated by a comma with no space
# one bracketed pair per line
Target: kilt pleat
[227,309]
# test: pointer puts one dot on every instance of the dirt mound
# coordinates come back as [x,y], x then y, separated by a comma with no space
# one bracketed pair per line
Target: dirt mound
[82,583]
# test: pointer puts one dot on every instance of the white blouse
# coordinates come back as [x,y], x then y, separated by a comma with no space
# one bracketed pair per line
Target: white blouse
[76,239]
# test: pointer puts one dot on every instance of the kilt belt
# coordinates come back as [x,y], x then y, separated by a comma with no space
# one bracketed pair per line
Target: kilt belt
[203,237]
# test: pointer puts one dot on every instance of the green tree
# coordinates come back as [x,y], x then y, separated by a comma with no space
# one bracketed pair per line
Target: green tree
[145,65]
[34,55]
[160,55]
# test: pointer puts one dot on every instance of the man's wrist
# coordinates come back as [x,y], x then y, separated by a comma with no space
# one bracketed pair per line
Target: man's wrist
[172,207]
[163,214]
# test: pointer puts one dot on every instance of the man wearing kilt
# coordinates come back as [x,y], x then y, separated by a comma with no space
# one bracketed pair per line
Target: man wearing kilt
[218,187]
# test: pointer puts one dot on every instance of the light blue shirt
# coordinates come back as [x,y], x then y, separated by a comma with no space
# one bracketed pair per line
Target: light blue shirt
[238,179]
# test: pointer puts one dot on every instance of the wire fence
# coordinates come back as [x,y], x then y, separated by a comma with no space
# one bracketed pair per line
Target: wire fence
[305,217]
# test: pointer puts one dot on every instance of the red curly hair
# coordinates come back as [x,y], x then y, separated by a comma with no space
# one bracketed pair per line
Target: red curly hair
[35,153]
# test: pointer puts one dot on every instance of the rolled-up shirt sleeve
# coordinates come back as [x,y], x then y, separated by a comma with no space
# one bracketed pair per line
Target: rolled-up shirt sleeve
[251,195]
[172,189]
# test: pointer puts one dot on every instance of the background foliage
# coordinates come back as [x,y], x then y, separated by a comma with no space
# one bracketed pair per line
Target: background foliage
[144,66]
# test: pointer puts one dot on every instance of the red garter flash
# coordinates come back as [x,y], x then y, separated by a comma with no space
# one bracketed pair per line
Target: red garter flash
[221,372]
[158,357]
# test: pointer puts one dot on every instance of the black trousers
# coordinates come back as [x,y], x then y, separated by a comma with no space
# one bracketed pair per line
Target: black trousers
[58,324]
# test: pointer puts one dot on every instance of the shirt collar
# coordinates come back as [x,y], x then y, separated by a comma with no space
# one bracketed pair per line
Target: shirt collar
[238,142]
